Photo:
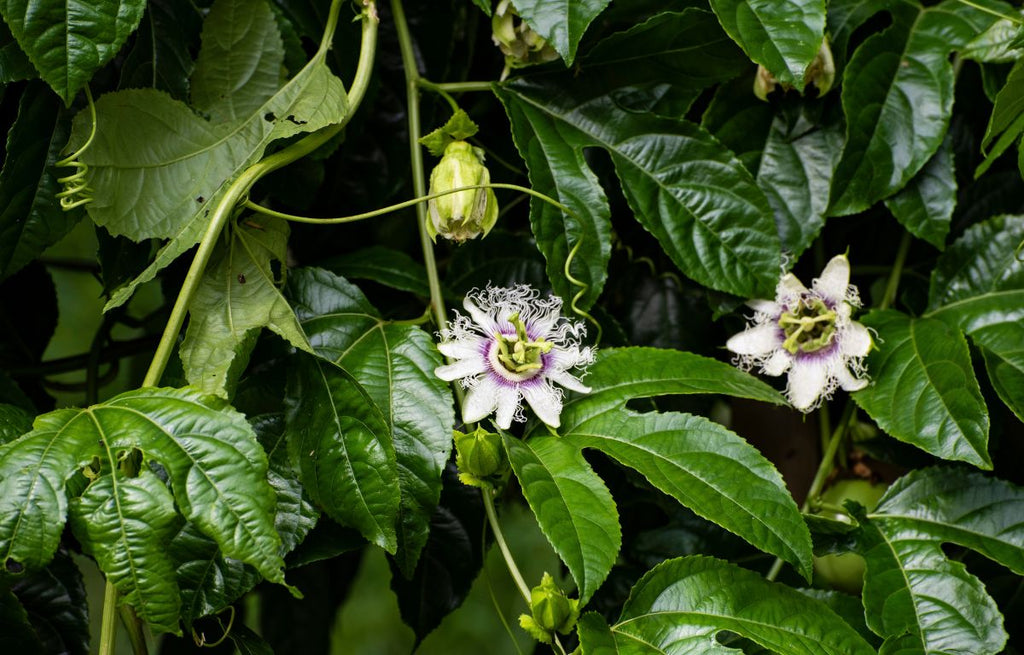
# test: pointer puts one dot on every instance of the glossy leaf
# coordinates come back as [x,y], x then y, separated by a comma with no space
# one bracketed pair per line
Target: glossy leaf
[392,268]
[18,634]
[147,144]
[14,422]
[795,174]
[913,595]
[126,523]
[30,218]
[14,64]
[69,41]
[925,206]
[924,391]
[699,463]
[680,605]
[241,61]
[561,22]
[160,57]
[741,125]
[54,600]
[236,297]
[343,449]
[573,507]
[998,44]
[783,37]
[694,196]
[898,97]
[395,365]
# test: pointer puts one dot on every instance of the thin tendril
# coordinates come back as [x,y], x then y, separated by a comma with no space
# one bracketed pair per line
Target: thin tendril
[583,290]
[76,191]
[490,589]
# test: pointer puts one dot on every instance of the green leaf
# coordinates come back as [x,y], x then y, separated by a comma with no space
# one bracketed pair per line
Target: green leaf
[783,37]
[703,207]
[236,297]
[913,595]
[392,268]
[31,219]
[160,57]
[561,22]
[19,635]
[483,5]
[595,635]
[573,507]
[395,365]
[741,125]
[343,449]
[69,41]
[680,605]
[1007,120]
[241,61]
[14,65]
[898,97]
[699,463]
[925,206]
[999,44]
[55,601]
[795,174]
[150,146]
[1006,373]
[126,524]
[924,390]
[14,422]
[458,128]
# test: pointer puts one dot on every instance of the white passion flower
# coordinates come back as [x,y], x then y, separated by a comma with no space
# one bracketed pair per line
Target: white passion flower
[513,345]
[808,333]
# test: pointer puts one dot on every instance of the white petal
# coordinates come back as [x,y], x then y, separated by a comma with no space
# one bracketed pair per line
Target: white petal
[462,348]
[789,287]
[848,382]
[834,279]
[545,402]
[566,380]
[563,359]
[508,403]
[480,317]
[481,400]
[757,340]
[807,381]
[768,307]
[462,368]
[777,363]
[856,341]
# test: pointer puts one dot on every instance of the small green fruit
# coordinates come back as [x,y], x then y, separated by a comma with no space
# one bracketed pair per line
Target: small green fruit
[846,571]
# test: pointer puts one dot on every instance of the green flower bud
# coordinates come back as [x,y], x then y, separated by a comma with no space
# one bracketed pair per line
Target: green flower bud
[517,40]
[552,611]
[479,455]
[466,214]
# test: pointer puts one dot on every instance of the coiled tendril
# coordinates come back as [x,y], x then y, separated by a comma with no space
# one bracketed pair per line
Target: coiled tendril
[76,191]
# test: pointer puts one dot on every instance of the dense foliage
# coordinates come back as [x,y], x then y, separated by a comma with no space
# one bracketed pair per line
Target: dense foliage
[671,290]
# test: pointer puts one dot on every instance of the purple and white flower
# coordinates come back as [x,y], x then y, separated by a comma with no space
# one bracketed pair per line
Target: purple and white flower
[809,333]
[513,345]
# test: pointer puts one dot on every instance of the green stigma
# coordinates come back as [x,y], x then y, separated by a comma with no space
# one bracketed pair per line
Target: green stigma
[809,326]
[516,352]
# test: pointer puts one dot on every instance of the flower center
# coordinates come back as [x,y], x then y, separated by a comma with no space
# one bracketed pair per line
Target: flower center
[517,353]
[809,326]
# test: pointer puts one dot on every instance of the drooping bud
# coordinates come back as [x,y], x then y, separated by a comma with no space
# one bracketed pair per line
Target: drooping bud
[821,73]
[464,214]
[479,456]
[552,611]
[517,40]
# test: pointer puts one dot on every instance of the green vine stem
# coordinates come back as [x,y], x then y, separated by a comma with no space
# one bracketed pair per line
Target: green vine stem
[499,538]
[454,87]
[897,271]
[225,208]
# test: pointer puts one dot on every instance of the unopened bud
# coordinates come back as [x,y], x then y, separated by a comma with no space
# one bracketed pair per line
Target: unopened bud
[552,611]
[464,214]
[479,455]
[821,73]
[518,42]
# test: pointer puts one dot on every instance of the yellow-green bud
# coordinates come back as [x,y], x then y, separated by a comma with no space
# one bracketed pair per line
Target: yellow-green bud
[517,40]
[551,611]
[821,73]
[479,455]
[465,214]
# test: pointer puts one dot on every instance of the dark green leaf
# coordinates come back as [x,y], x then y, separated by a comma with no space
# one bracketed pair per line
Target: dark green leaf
[924,390]
[55,601]
[31,219]
[503,259]
[248,642]
[572,506]
[795,174]
[680,605]
[925,206]
[699,463]
[16,633]
[703,207]
[241,61]
[14,65]
[343,449]
[69,41]
[236,297]
[783,36]
[392,268]
[561,22]
[913,595]
[483,5]
[1007,120]
[14,422]
[844,17]
[898,96]
[126,524]
[160,57]
[395,365]
[1007,373]
[741,125]
[596,636]
[999,43]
